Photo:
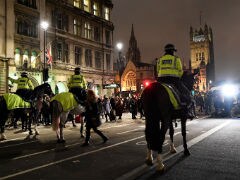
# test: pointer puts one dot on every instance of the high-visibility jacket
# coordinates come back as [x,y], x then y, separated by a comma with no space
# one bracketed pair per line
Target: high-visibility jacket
[77,81]
[23,83]
[169,65]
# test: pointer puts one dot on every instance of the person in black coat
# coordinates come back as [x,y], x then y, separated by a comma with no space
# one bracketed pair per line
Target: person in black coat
[92,117]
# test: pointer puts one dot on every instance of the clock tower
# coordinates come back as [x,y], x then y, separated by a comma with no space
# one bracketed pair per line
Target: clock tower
[202,57]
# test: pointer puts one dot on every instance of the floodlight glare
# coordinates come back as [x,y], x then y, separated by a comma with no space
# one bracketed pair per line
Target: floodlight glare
[229,90]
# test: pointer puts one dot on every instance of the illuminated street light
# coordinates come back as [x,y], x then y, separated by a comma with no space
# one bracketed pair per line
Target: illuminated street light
[119,47]
[44,26]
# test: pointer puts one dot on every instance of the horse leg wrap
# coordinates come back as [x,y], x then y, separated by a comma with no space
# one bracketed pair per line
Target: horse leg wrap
[3,137]
[61,131]
[160,166]
[172,148]
[149,158]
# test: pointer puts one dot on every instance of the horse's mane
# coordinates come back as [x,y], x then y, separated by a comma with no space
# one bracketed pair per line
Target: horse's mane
[40,90]
[188,79]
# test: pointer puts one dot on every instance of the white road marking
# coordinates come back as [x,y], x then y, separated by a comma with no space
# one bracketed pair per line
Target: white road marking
[144,167]
[116,126]
[124,132]
[67,159]
[12,145]
[22,138]
[179,149]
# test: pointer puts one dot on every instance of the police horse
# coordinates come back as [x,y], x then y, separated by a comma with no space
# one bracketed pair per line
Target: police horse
[158,110]
[60,106]
[11,103]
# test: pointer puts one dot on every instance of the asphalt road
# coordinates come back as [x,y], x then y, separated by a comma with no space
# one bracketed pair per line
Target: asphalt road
[123,156]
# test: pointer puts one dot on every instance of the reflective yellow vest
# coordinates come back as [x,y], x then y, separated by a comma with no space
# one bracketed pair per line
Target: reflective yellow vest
[169,65]
[77,81]
[23,83]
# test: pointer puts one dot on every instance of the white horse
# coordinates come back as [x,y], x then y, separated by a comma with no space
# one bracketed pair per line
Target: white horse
[61,105]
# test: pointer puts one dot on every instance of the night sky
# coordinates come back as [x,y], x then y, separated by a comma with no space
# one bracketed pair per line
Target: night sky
[158,22]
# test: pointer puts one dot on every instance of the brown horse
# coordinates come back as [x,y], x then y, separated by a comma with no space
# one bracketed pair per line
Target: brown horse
[158,110]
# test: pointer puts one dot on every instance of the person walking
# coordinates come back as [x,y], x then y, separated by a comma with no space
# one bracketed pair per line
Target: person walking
[119,107]
[140,107]
[133,106]
[107,107]
[46,110]
[113,110]
[92,117]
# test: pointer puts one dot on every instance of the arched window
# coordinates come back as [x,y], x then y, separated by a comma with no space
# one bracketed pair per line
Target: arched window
[17,57]
[33,59]
[25,59]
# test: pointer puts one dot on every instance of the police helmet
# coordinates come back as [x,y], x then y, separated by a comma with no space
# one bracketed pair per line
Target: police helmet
[77,70]
[170,47]
[24,74]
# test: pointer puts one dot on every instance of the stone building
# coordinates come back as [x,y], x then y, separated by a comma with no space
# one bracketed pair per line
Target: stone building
[136,74]
[80,34]
[202,57]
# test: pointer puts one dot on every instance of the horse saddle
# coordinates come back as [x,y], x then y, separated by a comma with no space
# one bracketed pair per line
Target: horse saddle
[80,96]
[173,95]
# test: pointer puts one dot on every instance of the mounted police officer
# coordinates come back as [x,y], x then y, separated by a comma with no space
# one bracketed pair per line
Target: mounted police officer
[170,71]
[24,86]
[77,84]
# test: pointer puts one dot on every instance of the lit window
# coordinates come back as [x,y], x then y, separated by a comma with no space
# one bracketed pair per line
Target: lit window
[77,3]
[25,59]
[86,5]
[87,30]
[17,57]
[77,27]
[33,59]
[95,9]
[106,13]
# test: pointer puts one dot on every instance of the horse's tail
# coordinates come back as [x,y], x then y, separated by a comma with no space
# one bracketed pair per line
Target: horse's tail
[55,109]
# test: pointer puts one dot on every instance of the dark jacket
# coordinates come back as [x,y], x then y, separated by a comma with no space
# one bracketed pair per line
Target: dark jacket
[91,114]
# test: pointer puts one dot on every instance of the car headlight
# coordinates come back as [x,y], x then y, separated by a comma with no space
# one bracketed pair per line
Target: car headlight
[229,90]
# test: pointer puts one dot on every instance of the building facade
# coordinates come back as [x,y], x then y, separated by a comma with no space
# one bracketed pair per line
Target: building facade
[202,57]
[80,34]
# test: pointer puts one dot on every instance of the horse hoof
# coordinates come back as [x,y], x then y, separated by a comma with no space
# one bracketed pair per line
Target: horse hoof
[61,141]
[149,162]
[173,150]
[160,168]
[3,137]
[187,152]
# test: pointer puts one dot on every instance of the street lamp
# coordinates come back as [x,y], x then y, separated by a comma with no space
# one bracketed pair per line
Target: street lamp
[119,48]
[44,26]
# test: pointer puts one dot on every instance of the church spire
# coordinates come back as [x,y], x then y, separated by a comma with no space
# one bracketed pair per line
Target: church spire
[133,53]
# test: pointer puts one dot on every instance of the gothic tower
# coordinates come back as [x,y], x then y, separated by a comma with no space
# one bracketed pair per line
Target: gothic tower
[133,52]
[202,56]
